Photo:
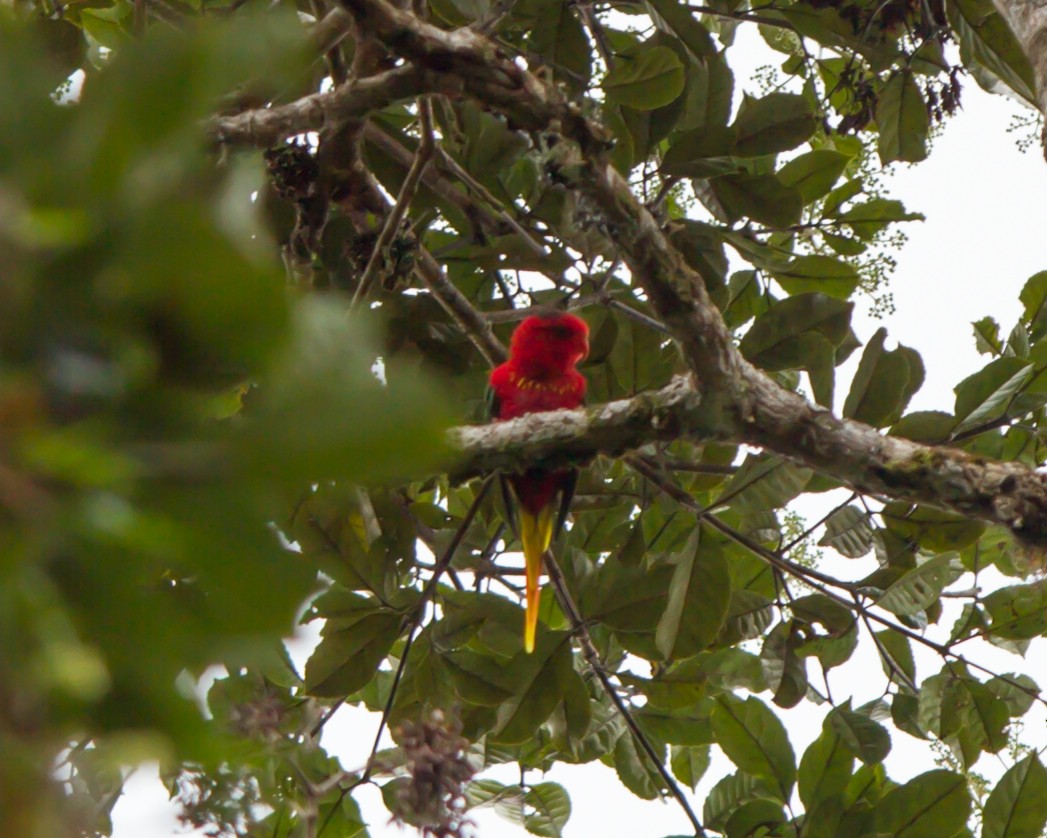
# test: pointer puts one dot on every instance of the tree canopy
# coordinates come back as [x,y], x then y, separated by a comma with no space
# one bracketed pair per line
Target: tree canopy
[257,263]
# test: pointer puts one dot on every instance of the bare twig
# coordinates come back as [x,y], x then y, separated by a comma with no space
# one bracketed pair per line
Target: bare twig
[415,617]
[592,658]
[395,217]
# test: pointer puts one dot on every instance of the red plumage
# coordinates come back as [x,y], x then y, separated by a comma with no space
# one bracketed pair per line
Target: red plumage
[540,375]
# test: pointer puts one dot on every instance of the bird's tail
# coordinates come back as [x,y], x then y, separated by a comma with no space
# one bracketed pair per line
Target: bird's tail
[536,533]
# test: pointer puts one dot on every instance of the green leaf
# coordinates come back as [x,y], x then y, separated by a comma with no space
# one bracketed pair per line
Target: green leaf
[698,597]
[754,739]
[849,532]
[814,173]
[548,807]
[896,647]
[987,336]
[351,648]
[865,738]
[773,340]
[764,482]
[762,198]
[558,37]
[974,718]
[1034,298]
[731,793]
[689,763]
[1018,612]
[883,383]
[777,122]
[537,694]
[650,79]
[816,272]
[1015,808]
[985,396]
[678,19]
[704,152]
[870,217]
[634,768]
[901,116]
[932,528]
[986,38]
[932,805]
[920,587]
[825,769]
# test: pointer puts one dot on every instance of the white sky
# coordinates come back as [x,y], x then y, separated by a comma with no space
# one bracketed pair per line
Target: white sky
[985,234]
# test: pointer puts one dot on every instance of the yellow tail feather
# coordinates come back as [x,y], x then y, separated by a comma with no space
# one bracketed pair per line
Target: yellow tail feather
[536,533]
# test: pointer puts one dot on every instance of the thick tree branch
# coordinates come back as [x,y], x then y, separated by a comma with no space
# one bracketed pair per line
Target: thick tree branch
[1005,493]
[265,127]
[738,401]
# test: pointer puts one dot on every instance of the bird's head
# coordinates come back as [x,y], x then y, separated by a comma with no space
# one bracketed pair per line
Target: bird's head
[555,340]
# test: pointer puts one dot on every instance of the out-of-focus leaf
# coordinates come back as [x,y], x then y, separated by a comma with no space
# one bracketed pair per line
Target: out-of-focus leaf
[777,122]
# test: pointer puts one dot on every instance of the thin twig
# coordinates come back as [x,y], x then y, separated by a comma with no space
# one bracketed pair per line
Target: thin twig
[407,192]
[416,615]
[592,658]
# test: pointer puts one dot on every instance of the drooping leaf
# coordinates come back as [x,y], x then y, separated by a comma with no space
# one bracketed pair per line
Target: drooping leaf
[986,38]
[884,383]
[776,122]
[773,340]
[762,198]
[901,116]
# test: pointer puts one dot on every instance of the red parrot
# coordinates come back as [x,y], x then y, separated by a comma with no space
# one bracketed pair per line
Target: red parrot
[540,375]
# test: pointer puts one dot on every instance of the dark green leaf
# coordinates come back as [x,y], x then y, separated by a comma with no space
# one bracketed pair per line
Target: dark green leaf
[777,122]
[901,116]
[773,340]
[762,198]
[818,273]
[884,383]
[814,173]
[825,769]
[865,738]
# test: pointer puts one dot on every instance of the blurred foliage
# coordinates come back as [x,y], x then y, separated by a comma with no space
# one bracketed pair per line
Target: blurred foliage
[198,447]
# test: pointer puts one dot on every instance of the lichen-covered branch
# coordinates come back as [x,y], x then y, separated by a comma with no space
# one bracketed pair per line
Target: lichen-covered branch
[858,456]
[738,402]
[265,127]
[575,437]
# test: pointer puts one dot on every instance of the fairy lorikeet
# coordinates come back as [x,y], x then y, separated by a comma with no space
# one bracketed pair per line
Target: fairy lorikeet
[540,375]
